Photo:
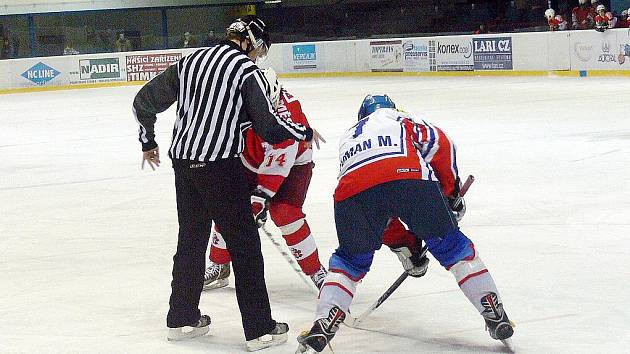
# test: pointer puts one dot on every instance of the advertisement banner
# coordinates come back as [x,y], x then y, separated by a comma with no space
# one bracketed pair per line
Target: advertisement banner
[40,74]
[416,55]
[304,56]
[492,53]
[147,66]
[92,70]
[452,54]
[623,58]
[596,50]
[386,56]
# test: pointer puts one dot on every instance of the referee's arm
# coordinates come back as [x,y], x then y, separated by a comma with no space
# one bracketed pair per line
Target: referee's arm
[153,98]
[265,121]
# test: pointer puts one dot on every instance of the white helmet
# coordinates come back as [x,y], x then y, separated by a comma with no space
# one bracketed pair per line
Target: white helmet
[582,2]
[629,12]
[600,8]
[593,2]
[274,85]
[550,13]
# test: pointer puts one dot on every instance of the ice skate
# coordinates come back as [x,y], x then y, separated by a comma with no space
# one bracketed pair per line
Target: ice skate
[277,336]
[318,277]
[216,276]
[497,322]
[187,332]
[321,333]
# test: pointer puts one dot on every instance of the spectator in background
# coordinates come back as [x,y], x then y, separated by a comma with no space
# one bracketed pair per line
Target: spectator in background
[481,29]
[622,20]
[210,40]
[555,22]
[122,44]
[69,50]
[189,41]
[594,4]
[5,47]
[581,16]
[604,19]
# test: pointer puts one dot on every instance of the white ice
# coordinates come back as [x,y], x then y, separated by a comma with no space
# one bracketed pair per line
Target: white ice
[87,237]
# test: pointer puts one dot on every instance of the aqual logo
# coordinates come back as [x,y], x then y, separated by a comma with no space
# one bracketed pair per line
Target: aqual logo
[606,57]
[583,51]
[40,73]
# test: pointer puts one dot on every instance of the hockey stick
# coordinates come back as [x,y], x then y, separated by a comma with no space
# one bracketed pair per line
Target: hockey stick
[289,258]
[466,185]
[355,321]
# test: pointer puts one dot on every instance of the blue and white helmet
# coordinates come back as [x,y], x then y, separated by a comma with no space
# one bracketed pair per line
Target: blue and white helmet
[373,102]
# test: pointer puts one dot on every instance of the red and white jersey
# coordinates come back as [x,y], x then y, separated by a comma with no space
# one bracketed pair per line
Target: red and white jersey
[557,23]
[606,21]
[391,145]
[272,163]
[582,17]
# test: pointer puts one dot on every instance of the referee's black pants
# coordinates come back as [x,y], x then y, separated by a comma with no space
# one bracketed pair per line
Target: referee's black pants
[217,191]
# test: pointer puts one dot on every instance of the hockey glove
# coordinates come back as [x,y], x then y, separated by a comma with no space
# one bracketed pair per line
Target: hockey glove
[458,207]
[260,204]
[416,263]
[456,201]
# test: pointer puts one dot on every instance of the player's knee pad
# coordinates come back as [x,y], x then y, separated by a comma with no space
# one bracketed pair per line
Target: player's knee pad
[468,268]
[451,248]
[353,266]
[285,214]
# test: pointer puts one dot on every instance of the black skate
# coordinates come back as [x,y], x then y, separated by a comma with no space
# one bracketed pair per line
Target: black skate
[216,276]
[277,336]
[187,332]
[318,277]
[497,322]
[321,333]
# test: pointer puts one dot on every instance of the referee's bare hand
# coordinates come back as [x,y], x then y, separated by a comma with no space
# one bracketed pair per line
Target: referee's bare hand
[317,137]
[152,157]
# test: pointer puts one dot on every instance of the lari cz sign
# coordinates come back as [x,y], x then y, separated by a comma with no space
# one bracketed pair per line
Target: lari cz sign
[493,53]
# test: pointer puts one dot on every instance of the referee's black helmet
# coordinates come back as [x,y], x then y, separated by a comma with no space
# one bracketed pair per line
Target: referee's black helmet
[255,30]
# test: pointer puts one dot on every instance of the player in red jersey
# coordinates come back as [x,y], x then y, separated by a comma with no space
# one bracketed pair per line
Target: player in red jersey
[556,22]
[279,177]
[604,19]
[396,167]
[582,17]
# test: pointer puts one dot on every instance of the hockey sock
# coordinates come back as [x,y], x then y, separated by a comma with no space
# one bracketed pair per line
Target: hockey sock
[218,250]
[474,280]
[302,245]
[338,290]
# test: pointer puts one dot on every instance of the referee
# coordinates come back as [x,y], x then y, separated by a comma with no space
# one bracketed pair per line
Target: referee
[220,92]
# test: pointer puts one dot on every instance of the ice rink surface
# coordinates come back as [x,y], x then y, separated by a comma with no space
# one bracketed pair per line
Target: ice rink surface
[87,238]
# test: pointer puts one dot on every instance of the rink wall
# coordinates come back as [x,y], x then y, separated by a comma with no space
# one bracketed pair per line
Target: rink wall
[570,53]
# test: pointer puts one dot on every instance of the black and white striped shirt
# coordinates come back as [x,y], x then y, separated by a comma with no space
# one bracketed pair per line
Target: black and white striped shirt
[220,93]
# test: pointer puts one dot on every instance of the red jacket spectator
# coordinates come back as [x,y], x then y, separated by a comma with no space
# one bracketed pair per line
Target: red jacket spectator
[582,17]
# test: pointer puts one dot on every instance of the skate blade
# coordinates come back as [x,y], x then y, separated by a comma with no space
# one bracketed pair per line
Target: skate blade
[266,341]
[221,283]
[177,334]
